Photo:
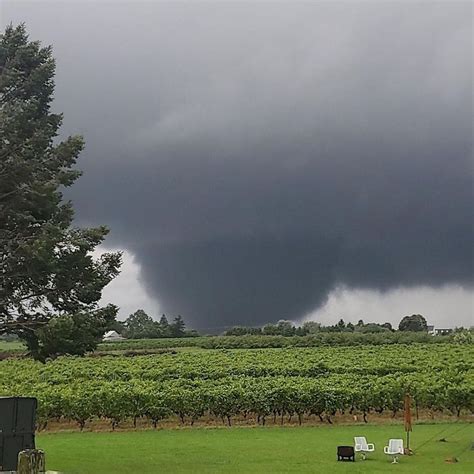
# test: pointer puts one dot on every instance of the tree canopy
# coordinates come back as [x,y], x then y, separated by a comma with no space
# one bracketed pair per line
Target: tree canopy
[74,334]
[46,265]
[415,322]
[140,325]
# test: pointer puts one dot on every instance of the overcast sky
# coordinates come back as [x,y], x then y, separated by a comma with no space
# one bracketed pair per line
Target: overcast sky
[263,161]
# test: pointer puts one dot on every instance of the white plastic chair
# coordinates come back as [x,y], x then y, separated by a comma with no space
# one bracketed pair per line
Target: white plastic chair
[361,446]
[394,449]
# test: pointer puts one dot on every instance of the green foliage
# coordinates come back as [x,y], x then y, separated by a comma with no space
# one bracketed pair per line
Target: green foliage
[415,322]
[164,326]
[463,336]
[46,266]
[177,329]
[288,329]
[74,334]
[141,326]
[267,382]
[311,327]
[373,328]
[242,331]
[318,339]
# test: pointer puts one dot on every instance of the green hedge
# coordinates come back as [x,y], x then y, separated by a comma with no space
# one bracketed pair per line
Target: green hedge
[255,342]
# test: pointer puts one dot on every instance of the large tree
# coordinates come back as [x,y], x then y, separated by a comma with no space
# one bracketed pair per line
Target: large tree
[74,334]
[178,327]
[139,326]
[46,266]
[415,322]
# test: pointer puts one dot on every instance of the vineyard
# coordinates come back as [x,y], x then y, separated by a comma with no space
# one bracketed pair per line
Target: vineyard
[265,384]
[321,339]
[261,342]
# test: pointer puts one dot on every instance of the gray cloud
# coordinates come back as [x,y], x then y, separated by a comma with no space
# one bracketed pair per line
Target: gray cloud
[255,156]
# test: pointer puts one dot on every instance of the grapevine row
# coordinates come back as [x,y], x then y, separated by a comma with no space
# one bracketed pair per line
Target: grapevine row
[239,397]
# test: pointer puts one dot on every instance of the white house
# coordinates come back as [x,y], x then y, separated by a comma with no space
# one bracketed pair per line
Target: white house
[442,331]
[439,331]
[112,336]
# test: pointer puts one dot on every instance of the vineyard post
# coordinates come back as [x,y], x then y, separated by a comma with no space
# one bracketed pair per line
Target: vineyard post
[408,426]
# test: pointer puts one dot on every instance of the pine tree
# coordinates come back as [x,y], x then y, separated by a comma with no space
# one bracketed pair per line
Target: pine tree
[46,267]
[178,327]
[165,328]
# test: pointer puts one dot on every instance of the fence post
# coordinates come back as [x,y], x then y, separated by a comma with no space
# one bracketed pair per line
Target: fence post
[31,461]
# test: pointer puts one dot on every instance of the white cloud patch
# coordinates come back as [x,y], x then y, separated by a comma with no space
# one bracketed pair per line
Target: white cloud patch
[448,306]
[127,291]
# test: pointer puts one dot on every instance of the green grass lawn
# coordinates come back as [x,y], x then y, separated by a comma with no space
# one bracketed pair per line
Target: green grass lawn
[11,346]
[255,450]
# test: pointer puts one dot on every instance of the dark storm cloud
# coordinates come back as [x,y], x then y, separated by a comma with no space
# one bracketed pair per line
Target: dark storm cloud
[252,157]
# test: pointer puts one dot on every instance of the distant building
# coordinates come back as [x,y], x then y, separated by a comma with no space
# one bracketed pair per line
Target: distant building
[112,336]
[439,331]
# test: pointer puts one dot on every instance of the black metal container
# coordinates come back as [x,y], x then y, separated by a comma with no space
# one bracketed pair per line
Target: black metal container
[17,429]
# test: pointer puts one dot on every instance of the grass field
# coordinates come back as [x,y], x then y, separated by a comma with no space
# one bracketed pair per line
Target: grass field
[256,450]
[11,346]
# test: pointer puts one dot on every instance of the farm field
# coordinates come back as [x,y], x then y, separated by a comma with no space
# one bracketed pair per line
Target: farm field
[268,341]
[256,450]
[228,386]
[252,342]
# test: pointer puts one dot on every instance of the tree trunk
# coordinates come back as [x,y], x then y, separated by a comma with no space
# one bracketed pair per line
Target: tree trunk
[31,461]
[32,343]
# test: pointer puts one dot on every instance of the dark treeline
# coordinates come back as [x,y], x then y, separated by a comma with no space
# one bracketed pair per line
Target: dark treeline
[140,325]
[416,322]
[287,328]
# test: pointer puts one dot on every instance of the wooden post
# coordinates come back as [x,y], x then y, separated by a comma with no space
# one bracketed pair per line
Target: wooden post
[408,427]
[31,461]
